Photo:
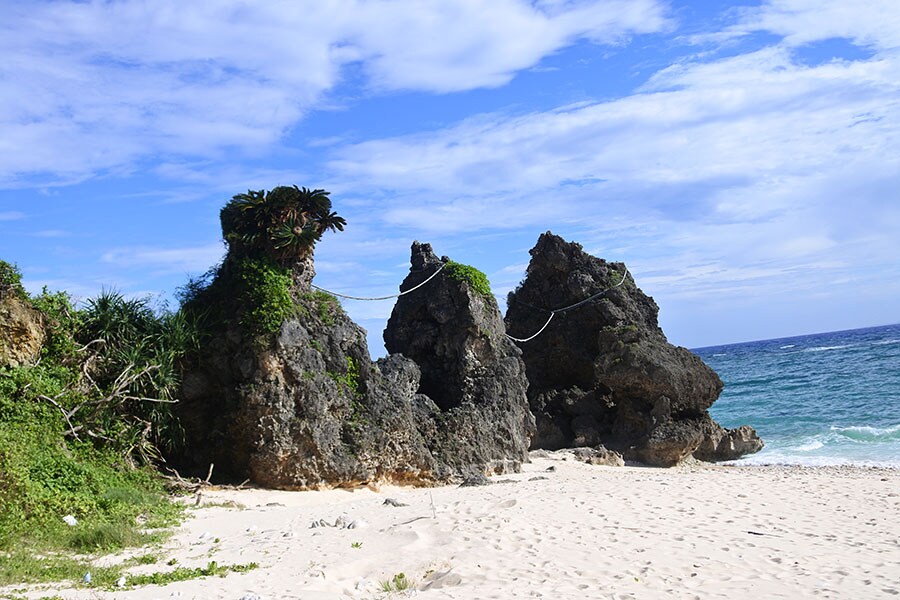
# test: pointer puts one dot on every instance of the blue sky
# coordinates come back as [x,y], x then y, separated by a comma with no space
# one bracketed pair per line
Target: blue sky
[742,158]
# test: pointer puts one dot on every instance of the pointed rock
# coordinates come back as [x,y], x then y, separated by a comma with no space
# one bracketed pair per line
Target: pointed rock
[453,331]
[604,372]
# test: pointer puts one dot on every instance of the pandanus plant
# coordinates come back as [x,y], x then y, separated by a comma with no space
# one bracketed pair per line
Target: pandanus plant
[284,223]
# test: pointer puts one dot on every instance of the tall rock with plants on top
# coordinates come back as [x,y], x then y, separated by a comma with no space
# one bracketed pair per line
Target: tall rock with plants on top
[283,390]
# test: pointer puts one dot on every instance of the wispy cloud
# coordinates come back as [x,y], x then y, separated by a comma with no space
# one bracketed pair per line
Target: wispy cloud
[88,87]
[12,215]
[872,23]
[51,233]
[730,177]
[192,259]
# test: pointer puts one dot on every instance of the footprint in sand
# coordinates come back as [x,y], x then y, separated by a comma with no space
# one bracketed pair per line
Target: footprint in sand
[440,579]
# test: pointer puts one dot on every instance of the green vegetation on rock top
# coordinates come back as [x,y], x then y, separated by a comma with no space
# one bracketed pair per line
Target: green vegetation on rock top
[267,233]
[477,280]
[282,224]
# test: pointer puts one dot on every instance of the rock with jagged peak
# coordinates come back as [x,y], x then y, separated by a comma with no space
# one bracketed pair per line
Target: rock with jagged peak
[304,406]
[452,329]
[604,372]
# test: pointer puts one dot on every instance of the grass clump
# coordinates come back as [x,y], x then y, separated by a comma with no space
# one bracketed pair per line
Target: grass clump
[187,573]
[23,567]
[326,305]
[398,583]
[349,379]
[477,280]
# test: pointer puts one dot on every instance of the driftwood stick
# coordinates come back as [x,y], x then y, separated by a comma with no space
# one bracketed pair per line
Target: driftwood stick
[65,415]
[89,344]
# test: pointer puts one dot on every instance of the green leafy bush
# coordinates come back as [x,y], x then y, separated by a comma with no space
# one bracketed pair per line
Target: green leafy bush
[73,426]
[11,278]
[45,475]
[256,292]
[477,280]
[283,224]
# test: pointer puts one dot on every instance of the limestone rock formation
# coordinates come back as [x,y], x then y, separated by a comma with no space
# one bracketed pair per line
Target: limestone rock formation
[599,456]
[469,369]
[305,407]
[21,329]
[604,372]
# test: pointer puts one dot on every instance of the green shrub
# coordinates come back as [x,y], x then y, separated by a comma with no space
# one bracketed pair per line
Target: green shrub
[62,322]
[477,280]
[349,378]
[326,305]
[11,278]
[82,464]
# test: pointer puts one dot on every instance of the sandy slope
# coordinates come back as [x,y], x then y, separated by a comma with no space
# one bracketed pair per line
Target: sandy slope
[583,532]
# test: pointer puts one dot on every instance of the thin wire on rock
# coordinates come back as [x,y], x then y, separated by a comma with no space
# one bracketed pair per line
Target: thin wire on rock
[553,313]
[430,277]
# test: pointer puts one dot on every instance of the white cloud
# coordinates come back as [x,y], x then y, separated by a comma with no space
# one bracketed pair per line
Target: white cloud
[11,215]
[485,44]
[872,23]
[195,259]
[745,177]
[91,86]
[51,233]
[740,117]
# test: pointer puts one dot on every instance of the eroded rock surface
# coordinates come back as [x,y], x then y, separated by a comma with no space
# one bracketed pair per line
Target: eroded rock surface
[605,372]
[21,330]
[306,407]
[472,372]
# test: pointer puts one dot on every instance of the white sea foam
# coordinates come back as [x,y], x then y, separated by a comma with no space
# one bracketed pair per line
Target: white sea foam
[809,446]
[826,348]
[786,346]
[885,342]
[722,354]
[865,433]
[818,460]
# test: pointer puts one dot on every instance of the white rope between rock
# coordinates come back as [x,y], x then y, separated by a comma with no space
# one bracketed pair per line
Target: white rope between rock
[432,276]
[540,331]
[553,313]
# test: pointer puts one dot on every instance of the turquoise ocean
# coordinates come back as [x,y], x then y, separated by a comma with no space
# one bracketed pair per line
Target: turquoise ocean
[822,399]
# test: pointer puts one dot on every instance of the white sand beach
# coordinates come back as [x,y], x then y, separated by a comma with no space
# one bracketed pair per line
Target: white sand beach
[559,529]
